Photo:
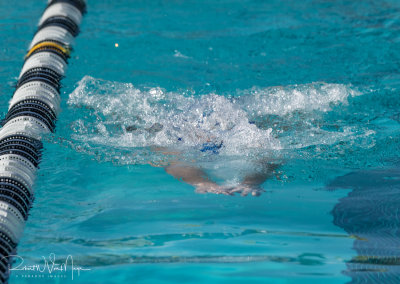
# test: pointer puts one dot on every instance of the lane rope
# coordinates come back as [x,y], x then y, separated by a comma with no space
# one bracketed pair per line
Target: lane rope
[32,112]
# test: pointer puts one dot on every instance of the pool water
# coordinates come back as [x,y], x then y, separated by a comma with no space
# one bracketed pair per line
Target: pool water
[311,86]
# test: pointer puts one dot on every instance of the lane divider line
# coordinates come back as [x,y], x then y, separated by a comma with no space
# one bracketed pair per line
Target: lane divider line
[32,112]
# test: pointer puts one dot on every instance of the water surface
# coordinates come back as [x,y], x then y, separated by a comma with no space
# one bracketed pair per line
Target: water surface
[313,85]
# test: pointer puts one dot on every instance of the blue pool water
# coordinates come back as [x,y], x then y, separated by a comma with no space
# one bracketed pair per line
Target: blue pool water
[312,86]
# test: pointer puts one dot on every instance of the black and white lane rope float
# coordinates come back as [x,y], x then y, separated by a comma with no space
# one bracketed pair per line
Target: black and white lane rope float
[33,112]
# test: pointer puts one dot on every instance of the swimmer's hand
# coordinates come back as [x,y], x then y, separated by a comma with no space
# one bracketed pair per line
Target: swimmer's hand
[212,188]
[245,189]
[242,189]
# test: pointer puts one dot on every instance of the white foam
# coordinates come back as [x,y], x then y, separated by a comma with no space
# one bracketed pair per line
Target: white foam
[284,100]
[120,116]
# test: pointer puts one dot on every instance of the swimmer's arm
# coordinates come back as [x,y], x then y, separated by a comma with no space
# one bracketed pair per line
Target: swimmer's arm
[194,176]
[187,173]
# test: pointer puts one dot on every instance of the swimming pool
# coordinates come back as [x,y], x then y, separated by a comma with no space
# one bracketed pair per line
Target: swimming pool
[320,80]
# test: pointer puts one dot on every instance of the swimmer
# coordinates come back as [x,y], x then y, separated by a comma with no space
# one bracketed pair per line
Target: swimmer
[195,175]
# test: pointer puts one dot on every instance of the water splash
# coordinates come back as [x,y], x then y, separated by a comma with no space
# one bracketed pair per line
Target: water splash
[124,123]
